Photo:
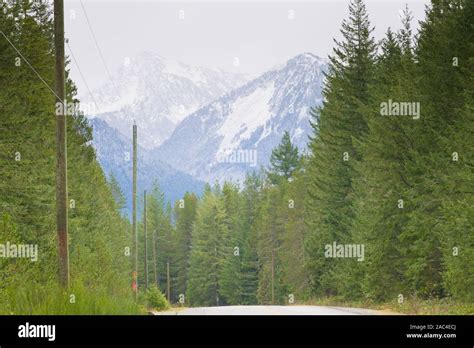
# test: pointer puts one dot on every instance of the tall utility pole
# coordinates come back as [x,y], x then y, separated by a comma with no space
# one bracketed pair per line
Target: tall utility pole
[146,240]
[134,212]
[155,271]
[61,150]
[168,279]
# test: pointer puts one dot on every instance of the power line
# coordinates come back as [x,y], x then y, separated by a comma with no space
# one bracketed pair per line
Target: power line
[82,76]
[31,67]
[98,48]
[41,78]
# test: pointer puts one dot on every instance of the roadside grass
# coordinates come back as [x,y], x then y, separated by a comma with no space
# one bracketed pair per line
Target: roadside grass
[51,300]
[445,306]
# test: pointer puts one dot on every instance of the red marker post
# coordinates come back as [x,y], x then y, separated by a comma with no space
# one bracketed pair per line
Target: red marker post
[134,282]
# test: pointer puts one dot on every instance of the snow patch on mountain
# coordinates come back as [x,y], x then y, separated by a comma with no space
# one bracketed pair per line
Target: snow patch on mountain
[157,93]
[248,113]
[217,141]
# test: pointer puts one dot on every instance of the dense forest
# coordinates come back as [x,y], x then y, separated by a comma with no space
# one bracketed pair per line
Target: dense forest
[399,184]
[98,234]
[389,169]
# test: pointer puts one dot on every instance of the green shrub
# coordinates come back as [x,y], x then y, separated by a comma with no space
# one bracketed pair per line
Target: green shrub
[155,299]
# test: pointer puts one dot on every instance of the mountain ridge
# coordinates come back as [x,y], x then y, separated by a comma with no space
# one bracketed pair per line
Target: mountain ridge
[225,138]
[114,153]
[156,92]
[249,119]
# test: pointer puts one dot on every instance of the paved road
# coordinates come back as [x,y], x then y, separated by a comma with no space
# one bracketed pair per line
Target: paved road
[271,310]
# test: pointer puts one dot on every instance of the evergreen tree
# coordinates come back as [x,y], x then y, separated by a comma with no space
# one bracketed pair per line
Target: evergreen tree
[117,193]
[445,67]
[381,189]
[294,273]
[457,210]
[231,277]
[207,252]
[159,229]
[252,197]
[283,160]
[273,215]
[337,126]
[184,215]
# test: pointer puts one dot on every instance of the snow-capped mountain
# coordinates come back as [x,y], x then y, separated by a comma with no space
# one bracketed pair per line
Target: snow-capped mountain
[236,132]
[158,93]
[114,152]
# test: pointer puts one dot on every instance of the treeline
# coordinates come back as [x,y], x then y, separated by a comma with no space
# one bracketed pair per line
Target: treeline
[98,235]
[389,171]
[392,160]
[237,244]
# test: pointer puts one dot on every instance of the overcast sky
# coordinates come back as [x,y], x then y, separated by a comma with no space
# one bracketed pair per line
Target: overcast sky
[260,34]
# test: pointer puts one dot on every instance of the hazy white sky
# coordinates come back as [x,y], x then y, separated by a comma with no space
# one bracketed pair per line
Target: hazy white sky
[261,34]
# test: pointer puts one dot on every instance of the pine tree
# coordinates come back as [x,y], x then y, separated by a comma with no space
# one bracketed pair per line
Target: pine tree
[337,126]
[160,241]
[294,273]
[207,252]
[283,160]
[117,193]
[184,216]
[252,197]
[380,199]
[444,54]
[273,215]
[457,210]
[231,277]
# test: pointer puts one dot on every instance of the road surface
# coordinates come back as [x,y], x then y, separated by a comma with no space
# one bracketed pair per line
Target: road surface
[271,310]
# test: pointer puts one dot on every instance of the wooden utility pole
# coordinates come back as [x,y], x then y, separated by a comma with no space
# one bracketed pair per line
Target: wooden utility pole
[168,280]
[146,240]
[61,149]
[273,276]
[155,271]
[134,212]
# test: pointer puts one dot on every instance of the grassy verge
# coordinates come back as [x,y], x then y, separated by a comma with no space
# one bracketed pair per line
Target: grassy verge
[51,300]
[411,306]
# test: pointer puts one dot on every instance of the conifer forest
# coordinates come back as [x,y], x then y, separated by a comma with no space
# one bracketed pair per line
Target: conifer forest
[377,208]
